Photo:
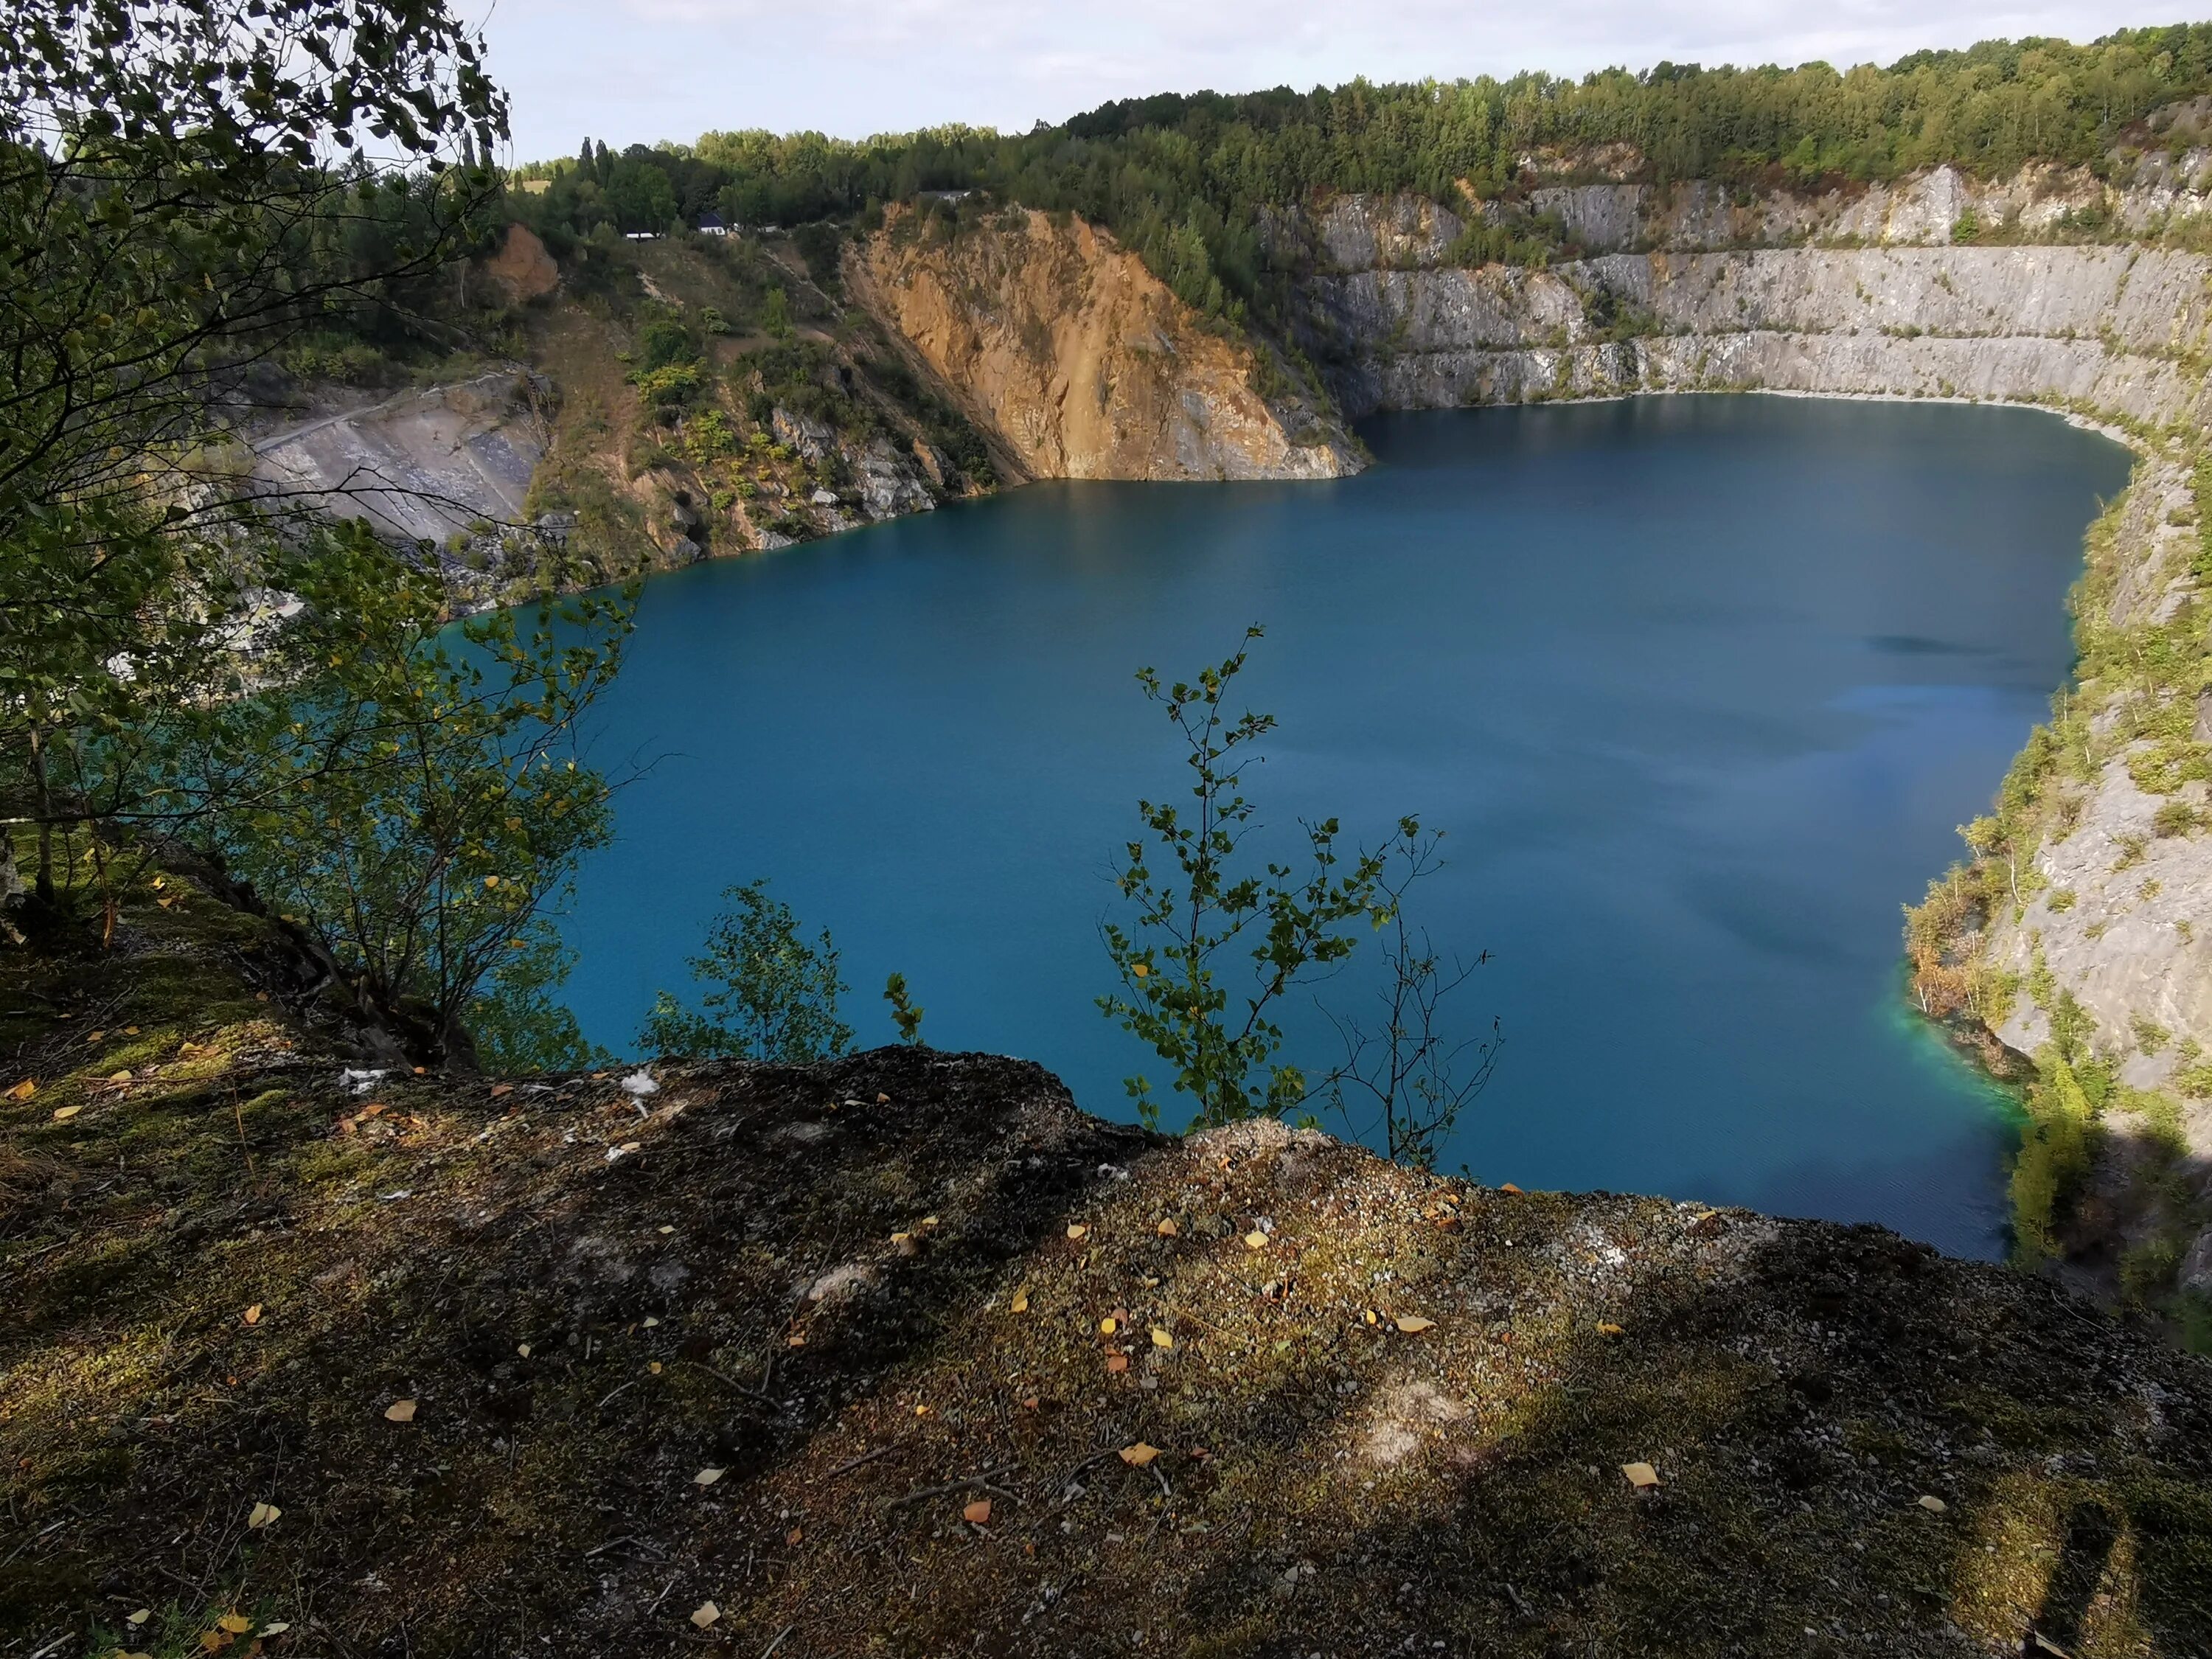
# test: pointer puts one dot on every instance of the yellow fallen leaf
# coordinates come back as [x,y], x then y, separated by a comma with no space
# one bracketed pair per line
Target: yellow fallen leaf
[795,1537]
[140,1617]
[491,881]
[705,1614]
[706,1477]
[523,1348]
[122,1075]
[1138,1455]
[1108,1326]
[1509,1187]
[1021,1301]
[63,1114]
[1256,1240]
[236,1624]
[130,1030]
[1607,1328]
[977,1514]
[159,882]
[654,1367]
[94,1036]
[1414,1324]
[252,1314]
[651,1320]
[1167,1229]
[1373,1318]
[263,1514]
[1077,1229]
[277,1629]
[23,1090]
[1933,1504]
[1640,1476]
[1161,1338]
[399,1411]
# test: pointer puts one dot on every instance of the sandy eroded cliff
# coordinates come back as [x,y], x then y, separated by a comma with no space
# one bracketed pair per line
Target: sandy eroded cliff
[1081,364]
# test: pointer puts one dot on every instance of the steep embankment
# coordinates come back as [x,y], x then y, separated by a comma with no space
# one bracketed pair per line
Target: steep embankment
[1080,363]
[2080,933]
[668,400]
[905,1355]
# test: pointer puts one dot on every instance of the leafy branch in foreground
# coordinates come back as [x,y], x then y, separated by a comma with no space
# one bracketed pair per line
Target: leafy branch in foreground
[1195,918]
[770,994]
[904,1014]
[1408,1077]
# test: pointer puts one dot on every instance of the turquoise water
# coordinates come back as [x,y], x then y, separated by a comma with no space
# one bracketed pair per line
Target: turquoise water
[1699,686]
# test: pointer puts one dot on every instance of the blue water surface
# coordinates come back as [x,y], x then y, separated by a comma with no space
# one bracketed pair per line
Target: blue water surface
[1700,688]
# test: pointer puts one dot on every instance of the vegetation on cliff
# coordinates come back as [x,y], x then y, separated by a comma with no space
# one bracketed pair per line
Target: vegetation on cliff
[2144,668]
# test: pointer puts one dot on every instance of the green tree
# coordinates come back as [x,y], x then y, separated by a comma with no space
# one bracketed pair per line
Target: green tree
[641,195]
[1211,904]
[775,315]
[404,792]
[181,190]
[770,995]
[516,1020]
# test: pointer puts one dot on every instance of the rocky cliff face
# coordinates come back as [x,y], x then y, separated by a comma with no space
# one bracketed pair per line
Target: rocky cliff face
[422,465]
[2107,329]
[1081,364]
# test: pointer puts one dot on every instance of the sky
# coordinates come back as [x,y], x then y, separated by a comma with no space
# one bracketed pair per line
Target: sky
[639,71]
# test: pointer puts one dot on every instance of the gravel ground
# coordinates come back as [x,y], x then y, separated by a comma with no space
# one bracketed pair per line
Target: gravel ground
[904,1354]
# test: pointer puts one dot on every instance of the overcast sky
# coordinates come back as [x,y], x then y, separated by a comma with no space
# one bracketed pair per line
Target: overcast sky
[637,71]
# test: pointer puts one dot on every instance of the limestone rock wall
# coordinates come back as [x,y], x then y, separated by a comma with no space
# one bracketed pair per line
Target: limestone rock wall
[1081,364]
[2118,907]
[2109,327]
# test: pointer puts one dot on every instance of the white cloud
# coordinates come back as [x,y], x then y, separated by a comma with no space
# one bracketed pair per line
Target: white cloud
[640,70]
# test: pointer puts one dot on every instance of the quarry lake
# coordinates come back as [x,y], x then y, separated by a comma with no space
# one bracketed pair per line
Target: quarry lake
[1697,686]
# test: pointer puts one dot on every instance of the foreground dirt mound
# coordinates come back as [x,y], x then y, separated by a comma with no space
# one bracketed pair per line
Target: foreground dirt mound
[905,1355]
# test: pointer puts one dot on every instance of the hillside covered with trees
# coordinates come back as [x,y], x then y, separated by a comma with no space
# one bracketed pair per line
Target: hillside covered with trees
[1187,181]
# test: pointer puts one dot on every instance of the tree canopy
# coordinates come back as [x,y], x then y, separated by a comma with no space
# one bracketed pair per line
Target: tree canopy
[1186,180]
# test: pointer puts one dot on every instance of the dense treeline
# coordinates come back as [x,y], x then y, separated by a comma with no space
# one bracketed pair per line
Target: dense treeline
[1183,179]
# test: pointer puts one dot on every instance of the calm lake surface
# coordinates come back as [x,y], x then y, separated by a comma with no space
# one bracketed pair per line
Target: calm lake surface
[1697,686]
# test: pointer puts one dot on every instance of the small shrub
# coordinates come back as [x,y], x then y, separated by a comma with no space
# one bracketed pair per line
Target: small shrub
[770,994]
